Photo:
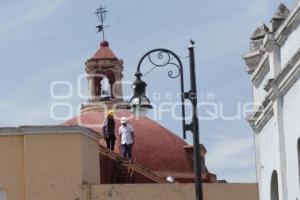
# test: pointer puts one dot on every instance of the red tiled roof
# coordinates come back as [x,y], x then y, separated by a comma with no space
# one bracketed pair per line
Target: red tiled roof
[104,52]
[156,148]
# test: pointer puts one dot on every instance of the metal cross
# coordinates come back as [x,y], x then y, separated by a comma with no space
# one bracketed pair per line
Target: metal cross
[101,13]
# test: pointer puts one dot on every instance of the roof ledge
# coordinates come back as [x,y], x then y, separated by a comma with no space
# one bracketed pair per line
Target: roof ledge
[44,130]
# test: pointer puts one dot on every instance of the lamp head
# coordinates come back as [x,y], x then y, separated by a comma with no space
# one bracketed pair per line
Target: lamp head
[139,103]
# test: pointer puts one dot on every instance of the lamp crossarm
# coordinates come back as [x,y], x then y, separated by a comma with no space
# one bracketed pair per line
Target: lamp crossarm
[160,58]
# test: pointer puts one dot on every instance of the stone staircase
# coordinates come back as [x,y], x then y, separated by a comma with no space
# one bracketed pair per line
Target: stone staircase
[123,173]
[125,170]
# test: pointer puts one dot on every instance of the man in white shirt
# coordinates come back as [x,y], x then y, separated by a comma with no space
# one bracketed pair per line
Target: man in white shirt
[127,138]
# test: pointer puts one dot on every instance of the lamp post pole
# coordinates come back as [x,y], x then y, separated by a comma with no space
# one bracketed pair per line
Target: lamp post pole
[140,101]
[195,125]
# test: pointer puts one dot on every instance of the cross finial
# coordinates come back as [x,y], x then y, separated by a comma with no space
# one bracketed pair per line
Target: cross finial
[101,13]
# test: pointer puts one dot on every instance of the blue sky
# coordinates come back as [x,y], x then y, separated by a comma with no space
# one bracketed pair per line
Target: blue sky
[42,41]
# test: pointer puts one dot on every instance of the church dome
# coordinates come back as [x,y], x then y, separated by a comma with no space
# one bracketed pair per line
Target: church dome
[156,148]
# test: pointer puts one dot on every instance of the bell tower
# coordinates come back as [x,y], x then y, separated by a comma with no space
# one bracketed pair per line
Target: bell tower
[104,74]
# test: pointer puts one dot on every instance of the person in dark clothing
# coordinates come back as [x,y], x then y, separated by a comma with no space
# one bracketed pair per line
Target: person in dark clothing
[108,131]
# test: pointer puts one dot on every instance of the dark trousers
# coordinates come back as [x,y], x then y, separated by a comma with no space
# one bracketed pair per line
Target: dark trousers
[110,143]
[127,151]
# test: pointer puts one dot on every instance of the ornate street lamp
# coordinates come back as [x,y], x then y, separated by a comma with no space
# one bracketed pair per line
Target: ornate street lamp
[160,58]
[139,103]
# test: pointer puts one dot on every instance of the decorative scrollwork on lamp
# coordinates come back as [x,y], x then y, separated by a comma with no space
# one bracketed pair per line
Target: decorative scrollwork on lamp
[161,58]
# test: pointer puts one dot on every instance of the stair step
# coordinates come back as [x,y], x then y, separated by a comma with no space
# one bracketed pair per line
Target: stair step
[123,167]
[122,176]
[123,171]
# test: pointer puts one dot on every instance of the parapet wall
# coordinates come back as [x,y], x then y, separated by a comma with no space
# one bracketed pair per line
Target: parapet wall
[172,191]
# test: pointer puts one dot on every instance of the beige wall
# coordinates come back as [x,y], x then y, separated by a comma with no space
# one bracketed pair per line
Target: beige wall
[90,164]
[12,167]
[173,192]
[52,167]
[48,166]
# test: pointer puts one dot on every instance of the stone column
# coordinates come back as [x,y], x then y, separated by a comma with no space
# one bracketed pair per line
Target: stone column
[275,62]
[91,83]
[274,54]
[278,113]
[118,86]
[275,66]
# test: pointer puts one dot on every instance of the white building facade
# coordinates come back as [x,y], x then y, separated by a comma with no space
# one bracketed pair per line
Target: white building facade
[274,65]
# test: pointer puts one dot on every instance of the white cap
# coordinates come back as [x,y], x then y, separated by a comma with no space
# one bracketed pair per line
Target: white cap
[170,179]
[123,120]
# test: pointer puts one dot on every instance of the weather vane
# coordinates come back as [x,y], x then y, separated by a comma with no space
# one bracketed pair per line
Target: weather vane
[101,13]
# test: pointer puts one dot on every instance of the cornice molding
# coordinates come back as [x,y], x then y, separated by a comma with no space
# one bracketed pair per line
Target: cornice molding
[275,88]
[252,60]
[44,130]
[260,118]
[284,30]
[94,65]
[262,69]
